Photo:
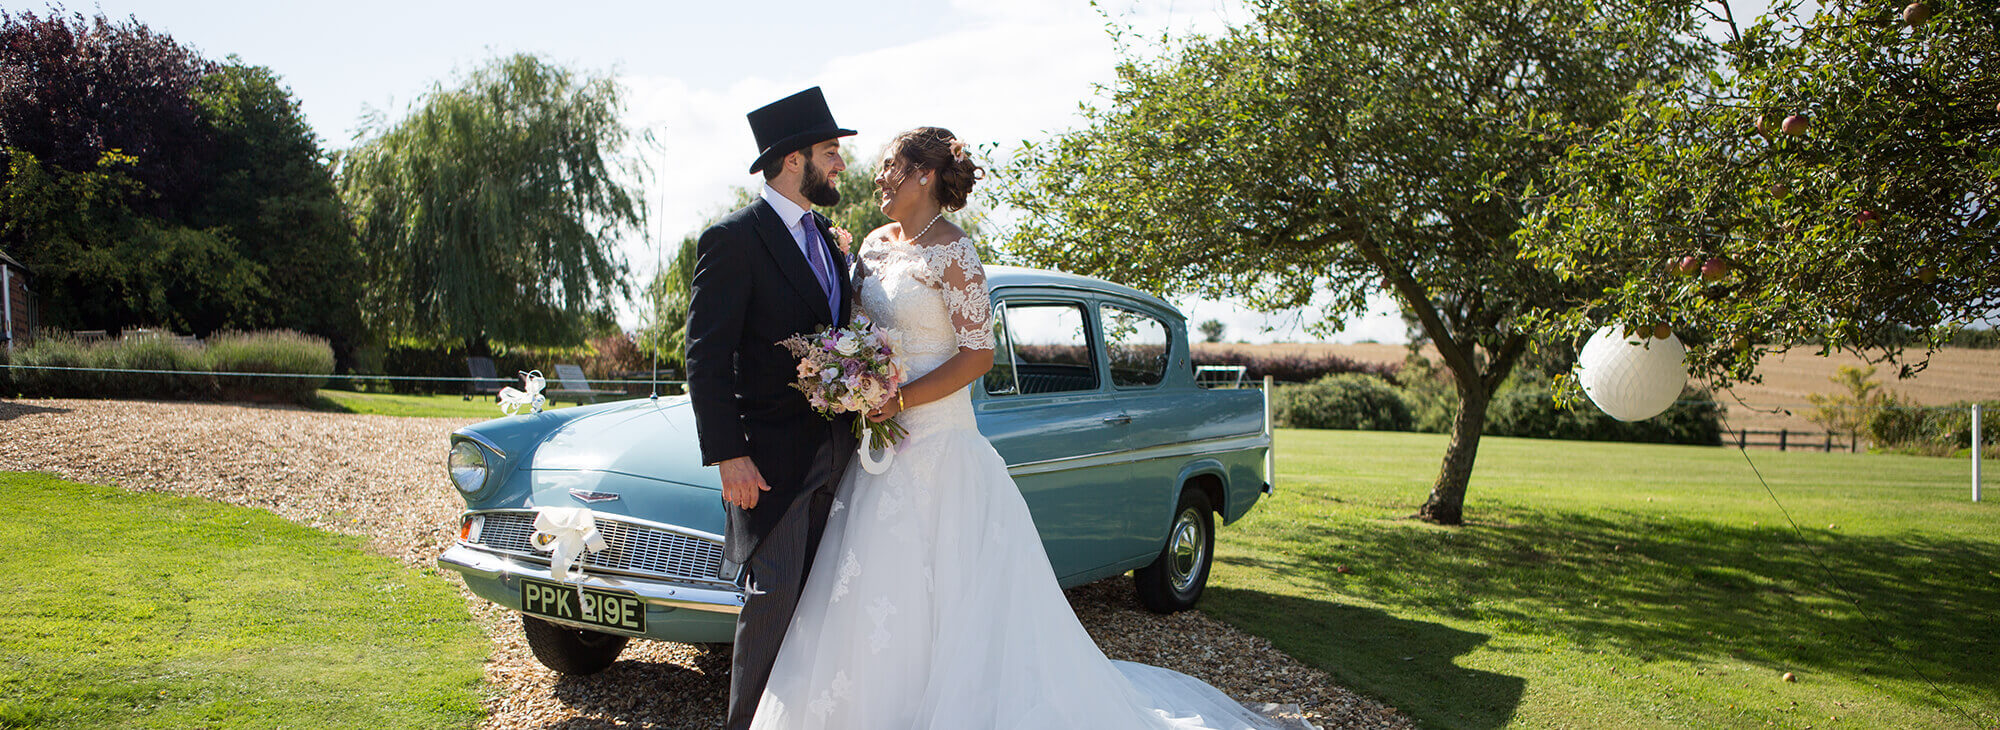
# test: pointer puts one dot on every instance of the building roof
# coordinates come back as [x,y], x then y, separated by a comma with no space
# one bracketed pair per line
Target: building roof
[9,260]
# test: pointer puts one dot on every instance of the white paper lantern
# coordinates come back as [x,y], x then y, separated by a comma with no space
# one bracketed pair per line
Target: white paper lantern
[1631,378]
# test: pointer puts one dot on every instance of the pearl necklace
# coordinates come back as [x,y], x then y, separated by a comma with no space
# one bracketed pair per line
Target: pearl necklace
[927,229]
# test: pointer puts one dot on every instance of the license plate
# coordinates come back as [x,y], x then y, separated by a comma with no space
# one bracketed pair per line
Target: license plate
[569,602]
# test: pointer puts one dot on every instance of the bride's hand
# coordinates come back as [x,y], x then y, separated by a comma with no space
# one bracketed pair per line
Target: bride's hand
[886,411]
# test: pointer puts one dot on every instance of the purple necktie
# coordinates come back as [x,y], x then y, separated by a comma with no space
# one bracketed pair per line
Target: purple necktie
[822,269]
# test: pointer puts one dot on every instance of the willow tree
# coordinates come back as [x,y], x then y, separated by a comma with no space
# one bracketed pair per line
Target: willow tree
[1837,170]
[1337,148]
[491,211]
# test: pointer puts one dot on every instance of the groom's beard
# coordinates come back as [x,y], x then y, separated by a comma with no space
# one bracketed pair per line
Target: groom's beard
[816,189]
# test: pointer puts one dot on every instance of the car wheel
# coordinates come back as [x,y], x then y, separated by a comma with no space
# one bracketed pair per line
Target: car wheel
[571,651]
[1175,579]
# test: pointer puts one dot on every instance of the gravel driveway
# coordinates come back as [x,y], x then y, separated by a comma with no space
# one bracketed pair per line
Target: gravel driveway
[383,478]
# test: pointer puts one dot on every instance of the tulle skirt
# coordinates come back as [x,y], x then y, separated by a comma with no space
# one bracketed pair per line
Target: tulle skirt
[931,605]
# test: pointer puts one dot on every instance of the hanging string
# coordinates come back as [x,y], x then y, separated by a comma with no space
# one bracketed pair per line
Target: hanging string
[1877,632]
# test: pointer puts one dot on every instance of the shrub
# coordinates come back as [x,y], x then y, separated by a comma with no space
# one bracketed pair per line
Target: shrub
[1934,431]
[1289,367]
[53,349]
[278,351]
[189,367]
[150,352]
[1526,407]
[1345,401]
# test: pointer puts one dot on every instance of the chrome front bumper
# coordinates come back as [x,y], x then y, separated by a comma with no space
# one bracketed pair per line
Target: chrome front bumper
[474,563]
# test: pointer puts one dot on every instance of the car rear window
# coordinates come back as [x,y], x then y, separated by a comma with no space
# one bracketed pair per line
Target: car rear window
[1136,344]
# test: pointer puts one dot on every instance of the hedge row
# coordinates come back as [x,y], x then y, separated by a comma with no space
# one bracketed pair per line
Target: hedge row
[1524,406]
[1940,431]
[191,368]
[604,358]
[1294,367]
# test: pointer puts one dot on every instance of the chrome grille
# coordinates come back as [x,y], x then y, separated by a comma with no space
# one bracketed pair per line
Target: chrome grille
[628,548]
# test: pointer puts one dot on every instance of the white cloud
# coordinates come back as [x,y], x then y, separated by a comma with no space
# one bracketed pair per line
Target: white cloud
[1007,72]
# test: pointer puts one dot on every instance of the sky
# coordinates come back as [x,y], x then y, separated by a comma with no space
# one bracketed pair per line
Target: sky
[992,71]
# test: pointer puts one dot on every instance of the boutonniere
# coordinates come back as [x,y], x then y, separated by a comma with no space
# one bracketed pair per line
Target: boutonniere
[843,239]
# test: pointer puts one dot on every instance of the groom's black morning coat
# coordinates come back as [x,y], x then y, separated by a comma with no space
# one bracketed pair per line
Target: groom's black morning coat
[752,288]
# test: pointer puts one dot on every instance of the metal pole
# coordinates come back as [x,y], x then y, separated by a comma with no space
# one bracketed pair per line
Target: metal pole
[7,304]
[1271,453]
[1975,452]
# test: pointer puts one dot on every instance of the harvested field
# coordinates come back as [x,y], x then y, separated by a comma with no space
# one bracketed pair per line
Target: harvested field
[1779,401]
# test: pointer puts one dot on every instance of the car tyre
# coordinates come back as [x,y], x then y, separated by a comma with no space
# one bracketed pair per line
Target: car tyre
[571,651]
[1175,579]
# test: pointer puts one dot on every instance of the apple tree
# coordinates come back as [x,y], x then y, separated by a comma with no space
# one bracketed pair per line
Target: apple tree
[1830,182]
[1339,148]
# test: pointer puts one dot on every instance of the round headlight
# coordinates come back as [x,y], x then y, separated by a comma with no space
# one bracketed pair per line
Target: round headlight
[468,466]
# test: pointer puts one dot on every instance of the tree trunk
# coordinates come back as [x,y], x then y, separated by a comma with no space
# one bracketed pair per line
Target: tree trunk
[1446,505]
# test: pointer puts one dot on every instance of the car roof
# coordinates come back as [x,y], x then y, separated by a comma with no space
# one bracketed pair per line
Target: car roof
[1001,277]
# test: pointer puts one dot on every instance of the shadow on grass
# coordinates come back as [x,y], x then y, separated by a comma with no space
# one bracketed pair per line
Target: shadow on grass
[1682,589]
[1409,664]
[10,410]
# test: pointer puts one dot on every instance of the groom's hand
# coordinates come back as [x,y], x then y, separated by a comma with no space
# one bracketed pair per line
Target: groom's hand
[742,484]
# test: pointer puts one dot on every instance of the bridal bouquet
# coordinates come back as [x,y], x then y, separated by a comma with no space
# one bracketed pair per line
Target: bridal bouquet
[851,370]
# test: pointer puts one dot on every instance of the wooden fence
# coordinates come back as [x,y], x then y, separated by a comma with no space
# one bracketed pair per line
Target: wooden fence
[1788,440]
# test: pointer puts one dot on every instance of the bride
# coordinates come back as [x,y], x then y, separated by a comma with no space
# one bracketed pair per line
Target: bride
[934,605]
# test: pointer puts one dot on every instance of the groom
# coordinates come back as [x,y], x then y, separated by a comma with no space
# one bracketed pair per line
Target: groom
[762,274]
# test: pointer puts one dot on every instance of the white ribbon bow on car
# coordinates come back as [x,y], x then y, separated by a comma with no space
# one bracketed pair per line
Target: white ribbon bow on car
[513,400]
[565,532]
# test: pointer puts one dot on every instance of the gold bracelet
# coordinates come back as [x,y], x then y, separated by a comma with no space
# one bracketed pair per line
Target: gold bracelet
[899,402]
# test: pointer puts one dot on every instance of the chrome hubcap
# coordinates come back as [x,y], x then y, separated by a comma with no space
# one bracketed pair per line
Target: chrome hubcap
[1188,549]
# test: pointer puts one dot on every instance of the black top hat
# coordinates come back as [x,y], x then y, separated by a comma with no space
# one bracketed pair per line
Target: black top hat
[792,123]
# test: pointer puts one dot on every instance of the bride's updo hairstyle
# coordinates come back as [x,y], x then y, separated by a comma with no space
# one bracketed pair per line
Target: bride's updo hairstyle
[936,150]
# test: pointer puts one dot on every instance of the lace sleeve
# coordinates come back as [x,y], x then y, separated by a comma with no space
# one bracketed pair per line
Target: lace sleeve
[963,281]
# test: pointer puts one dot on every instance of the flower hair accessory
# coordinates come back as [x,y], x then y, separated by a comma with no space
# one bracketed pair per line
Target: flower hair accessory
[957,150]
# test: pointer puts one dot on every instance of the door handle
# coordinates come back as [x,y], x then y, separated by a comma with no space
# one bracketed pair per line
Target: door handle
[1118,420]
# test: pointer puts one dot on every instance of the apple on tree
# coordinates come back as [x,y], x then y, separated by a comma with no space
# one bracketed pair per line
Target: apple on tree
[1917,14]
[1796,124]
[1714,270]
[1687,266]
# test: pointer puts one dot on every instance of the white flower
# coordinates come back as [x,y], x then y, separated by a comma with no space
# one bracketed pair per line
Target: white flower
[849,345]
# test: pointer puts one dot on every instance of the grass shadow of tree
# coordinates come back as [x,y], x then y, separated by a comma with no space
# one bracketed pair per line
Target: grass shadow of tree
[1671,588]
[1413,662]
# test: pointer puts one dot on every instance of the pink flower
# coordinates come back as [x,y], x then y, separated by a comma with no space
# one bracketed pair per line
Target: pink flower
[843,239]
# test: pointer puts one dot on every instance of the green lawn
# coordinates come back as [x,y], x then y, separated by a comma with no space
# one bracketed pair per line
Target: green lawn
[131,610]
[391,404]
[1624,585]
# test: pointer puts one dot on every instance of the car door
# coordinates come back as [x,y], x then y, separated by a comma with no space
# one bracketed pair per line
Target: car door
[1047,410]
[1140,353]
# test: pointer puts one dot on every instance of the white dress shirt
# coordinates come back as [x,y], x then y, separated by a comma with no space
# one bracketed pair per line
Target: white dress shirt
[790,213]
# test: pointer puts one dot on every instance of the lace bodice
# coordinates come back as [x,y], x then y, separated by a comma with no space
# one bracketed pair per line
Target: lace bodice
[931,300]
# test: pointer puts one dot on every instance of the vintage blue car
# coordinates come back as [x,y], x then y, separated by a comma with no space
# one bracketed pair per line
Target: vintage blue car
[1124,459]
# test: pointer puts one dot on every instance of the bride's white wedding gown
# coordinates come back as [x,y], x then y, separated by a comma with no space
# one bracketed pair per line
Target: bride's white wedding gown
[931,604]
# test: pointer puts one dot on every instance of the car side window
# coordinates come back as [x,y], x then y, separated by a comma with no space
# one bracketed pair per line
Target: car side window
[1136,344]
[1043,347]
